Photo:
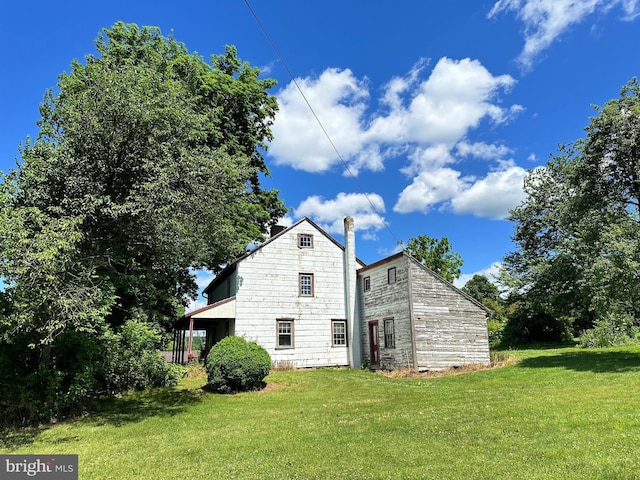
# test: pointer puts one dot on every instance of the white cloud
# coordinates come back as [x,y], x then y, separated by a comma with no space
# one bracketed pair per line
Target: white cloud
[418,113]
[203,278]
[494,195]
[546,20]
[489,197]
[338,100]
[442,109]
[482,150]
[425,120]
[366,211]
[285,221]
[428,159]
[490,272]
[429,188]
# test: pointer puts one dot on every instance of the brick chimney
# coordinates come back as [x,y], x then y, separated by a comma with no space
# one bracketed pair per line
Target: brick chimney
[276,229]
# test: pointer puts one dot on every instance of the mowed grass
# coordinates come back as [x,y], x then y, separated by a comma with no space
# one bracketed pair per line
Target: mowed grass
[557,414]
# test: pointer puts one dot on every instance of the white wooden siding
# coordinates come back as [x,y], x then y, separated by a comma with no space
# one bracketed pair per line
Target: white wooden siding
[267,290]
[382,301]
[450,329]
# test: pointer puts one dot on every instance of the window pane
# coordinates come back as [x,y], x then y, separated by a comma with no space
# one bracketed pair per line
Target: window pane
[305,240]
[339,333]
[306,285]
[284,327]
[285,334]
[389,340]
[391,275]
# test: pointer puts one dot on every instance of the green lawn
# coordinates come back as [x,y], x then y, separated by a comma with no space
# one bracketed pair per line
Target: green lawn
[561,414]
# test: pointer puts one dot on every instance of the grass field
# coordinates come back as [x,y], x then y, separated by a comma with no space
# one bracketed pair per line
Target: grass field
[556,414]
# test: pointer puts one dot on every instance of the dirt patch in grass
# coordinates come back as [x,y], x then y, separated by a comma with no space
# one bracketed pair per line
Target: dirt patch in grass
[498,360]
[270,387]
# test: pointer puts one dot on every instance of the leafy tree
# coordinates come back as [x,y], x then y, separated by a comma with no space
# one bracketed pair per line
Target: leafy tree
[578,231]
[147,165]
[481,288]
[156,156]
[436,254]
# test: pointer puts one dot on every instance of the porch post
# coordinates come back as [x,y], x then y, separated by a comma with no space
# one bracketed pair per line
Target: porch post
[189,355]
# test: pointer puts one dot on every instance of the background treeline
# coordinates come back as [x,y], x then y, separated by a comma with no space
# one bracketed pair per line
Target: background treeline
[576,269]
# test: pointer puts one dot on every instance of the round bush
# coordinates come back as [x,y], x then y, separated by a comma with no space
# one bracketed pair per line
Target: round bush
[235,365]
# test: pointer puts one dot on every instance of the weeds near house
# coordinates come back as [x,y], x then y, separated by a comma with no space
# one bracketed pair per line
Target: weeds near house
[283,365]
[195,371]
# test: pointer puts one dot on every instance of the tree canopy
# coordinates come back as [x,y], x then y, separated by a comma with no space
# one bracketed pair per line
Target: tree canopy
[481,288]
[578,231]
[152,157]
[436,254]
[147,165]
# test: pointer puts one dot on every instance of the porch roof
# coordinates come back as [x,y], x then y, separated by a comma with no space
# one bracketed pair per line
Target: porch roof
[223,309]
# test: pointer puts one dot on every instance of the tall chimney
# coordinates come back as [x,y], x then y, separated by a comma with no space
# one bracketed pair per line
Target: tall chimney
[350,277]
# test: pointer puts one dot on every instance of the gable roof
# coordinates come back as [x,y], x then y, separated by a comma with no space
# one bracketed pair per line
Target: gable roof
[411,258]
[229,269]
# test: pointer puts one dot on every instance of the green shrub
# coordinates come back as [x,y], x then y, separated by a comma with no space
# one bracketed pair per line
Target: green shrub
[530,324]
[612,330]
[133,361]
[39,383]
[235,365]
[495,329]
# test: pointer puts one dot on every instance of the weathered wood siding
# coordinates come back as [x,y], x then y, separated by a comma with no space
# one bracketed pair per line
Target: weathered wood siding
[226,289]
[450,328]
[383,301]
[267,290]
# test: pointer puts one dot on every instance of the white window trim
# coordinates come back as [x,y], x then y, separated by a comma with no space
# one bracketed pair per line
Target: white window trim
[305,235]
[278,322]
[333,338]
[300,276]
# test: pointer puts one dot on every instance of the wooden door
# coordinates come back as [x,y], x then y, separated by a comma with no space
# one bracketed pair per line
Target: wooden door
[374,346]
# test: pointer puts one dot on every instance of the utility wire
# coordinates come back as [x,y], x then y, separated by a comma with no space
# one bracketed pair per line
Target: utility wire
[326,134]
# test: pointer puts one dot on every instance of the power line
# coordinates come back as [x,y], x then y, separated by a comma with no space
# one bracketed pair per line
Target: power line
[335,149]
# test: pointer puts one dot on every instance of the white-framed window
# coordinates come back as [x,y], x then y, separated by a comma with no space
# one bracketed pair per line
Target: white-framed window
[366,284]
[305,284]
[391,275]
[389,333]
[284,333]
[339,333]
[305,240]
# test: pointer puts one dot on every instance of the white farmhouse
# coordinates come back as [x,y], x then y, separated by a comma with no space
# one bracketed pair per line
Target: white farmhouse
[311,303]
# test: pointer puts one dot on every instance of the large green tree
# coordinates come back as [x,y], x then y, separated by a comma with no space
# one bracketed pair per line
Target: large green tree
[578,231]
[147,165]
[481,288]
[157,155]
[437,254]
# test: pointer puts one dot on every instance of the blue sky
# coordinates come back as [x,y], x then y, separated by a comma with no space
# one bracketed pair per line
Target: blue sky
[437,108]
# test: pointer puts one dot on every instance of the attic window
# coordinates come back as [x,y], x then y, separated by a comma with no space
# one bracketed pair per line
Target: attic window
[305,240]
[366,284]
